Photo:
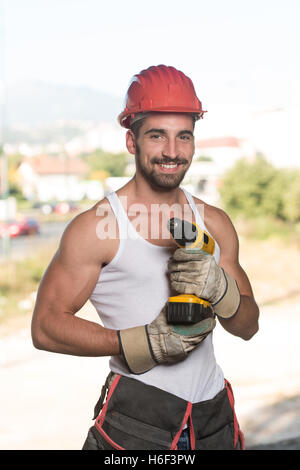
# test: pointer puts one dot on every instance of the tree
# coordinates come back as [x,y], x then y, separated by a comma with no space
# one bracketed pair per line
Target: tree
[112,164]
[258,189]
[13,182]
[243,188]
[291,198]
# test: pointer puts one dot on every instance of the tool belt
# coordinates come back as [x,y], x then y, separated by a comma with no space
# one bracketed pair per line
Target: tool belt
[137,416]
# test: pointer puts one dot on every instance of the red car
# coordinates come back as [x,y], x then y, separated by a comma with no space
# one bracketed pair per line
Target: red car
[16,228]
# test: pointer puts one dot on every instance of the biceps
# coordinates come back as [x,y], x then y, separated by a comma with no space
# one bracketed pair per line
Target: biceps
[65,288]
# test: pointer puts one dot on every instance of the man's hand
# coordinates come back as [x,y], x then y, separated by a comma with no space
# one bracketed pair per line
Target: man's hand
[144,347]
[197,273]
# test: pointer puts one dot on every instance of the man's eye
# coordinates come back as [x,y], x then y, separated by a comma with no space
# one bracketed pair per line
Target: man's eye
[155,136]
[185,137]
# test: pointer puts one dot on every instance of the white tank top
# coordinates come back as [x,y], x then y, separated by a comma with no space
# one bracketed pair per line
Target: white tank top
[131,291]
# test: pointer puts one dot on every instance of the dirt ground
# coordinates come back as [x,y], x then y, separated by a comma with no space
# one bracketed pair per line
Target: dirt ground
[47,400]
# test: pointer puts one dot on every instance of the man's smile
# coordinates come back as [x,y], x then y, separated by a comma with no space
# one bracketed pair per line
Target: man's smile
[169,167]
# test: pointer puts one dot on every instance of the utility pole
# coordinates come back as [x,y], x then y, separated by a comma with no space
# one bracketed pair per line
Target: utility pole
[3,157]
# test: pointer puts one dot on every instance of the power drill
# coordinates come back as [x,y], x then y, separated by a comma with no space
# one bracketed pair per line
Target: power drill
[188,308]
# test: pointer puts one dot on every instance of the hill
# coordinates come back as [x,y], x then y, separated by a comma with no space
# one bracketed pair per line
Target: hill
[38,103]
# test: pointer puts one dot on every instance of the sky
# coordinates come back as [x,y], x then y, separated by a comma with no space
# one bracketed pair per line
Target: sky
[242,55]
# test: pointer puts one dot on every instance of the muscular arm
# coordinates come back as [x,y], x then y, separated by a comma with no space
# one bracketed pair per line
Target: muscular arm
[65,287]
[245,322]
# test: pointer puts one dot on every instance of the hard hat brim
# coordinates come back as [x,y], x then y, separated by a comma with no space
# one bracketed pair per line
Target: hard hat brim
[124,118]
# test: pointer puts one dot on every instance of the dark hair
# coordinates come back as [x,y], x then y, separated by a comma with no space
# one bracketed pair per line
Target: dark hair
[135,127]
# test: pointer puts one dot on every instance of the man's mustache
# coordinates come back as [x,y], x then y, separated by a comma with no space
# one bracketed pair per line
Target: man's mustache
[167,160]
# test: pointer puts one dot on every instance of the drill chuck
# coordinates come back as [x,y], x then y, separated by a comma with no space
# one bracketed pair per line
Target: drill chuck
[189,236]
[183,232]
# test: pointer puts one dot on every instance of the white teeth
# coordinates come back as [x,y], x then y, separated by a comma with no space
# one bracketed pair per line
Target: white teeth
[171,165]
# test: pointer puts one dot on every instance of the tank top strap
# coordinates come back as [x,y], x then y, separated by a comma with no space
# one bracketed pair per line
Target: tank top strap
[200,221]
[119,213]
[198,218]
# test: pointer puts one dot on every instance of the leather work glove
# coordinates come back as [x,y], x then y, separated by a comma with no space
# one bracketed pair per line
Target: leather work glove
[196,272]
[144,347]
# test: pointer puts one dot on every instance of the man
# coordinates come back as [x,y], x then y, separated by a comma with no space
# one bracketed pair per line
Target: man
[165,389]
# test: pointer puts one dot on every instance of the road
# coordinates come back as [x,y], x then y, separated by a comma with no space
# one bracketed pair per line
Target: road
[21,247]
[47,399]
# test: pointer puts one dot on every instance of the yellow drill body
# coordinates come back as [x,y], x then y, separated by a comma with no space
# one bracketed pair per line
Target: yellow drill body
[188,308]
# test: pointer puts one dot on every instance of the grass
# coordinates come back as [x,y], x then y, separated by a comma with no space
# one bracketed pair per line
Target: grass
[19,281]
[267,228]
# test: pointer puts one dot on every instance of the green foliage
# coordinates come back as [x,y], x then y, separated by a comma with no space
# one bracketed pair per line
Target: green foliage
[204,158]
[113,164]
[262,228]
[20,278]
[13,162]
[15,190]
[258,189]
[291,199]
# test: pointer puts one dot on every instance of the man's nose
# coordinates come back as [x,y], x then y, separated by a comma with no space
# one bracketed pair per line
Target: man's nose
[170,149]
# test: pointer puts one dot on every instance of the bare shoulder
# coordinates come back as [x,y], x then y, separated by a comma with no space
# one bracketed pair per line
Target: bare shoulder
[220,226]
[85,238]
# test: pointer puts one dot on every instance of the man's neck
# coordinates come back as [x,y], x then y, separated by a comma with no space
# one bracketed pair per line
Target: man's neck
[141,191]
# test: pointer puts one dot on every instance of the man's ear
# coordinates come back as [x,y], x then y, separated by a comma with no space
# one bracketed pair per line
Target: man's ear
[130,142]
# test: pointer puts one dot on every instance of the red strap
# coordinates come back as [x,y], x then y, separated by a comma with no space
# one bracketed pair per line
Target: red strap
[192,434]
[111,391]
[99,421]
[187,415]
[237,432]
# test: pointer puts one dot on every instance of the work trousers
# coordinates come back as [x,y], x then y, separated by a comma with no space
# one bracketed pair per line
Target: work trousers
[137,416]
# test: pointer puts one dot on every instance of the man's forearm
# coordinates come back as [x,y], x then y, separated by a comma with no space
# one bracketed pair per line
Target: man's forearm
[245,322]
[68,334]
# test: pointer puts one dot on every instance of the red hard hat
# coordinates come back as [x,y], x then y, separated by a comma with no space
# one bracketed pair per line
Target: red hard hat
[160,89]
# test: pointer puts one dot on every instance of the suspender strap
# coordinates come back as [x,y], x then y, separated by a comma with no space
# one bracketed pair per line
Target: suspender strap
[184,421]
[101,418]
[237,432]
[111,391]
[104,390]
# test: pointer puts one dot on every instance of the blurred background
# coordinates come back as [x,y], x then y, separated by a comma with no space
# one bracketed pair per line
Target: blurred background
[64,70]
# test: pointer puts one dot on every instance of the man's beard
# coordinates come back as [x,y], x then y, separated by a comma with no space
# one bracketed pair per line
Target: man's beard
[160,181]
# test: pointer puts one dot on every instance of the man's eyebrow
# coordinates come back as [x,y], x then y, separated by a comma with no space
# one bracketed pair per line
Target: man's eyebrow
[186,131]
[163,131]
[158,131]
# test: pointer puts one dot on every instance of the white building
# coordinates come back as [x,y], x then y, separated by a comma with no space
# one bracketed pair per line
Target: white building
[47,178]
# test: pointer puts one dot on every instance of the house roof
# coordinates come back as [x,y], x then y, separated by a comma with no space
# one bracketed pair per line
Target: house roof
[218,142]
[46,165]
